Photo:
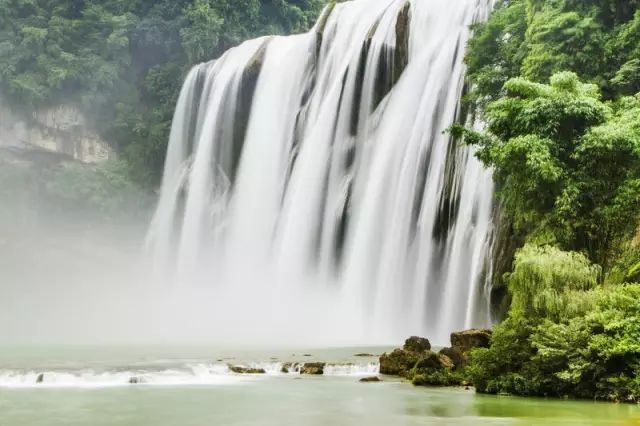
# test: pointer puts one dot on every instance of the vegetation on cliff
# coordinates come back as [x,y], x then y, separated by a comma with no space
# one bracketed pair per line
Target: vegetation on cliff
[556,83]
[122,62]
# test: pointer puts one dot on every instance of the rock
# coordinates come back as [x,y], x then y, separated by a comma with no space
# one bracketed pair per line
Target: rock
[398,362]
[40,378]
[312,368]
[135,380]
[364,355]
[401,54]
[446,362]
[457,357]
[432,361]
[290,367]
[238,369]
[373,379]
[466,340]
[417,344]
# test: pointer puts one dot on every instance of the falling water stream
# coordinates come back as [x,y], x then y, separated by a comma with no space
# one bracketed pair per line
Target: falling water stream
[311,186]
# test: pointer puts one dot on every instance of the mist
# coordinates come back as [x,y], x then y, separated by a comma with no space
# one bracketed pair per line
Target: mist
[71,274]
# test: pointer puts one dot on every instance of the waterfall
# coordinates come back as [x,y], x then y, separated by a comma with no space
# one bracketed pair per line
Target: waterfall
[310,186]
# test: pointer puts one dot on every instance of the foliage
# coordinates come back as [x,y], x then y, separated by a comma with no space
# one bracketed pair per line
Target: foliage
[567,164]
[122,61]
[597,39]
[581,342]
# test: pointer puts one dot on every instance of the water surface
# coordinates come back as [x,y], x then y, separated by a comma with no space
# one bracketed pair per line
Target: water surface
[189,386]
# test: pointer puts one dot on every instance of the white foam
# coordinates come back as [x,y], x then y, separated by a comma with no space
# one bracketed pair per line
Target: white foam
[187,375]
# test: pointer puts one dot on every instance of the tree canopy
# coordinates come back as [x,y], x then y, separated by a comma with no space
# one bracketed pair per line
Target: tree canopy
[123,61]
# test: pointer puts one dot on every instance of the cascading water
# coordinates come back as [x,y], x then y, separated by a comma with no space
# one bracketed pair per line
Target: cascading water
[311,188]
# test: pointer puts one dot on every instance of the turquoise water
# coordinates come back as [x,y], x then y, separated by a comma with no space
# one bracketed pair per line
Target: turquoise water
[222,398]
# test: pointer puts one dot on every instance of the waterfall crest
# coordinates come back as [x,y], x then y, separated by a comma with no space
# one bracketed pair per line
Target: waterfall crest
[310,186]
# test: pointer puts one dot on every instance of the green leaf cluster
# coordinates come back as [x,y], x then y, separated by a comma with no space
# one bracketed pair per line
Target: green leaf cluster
[566,163]
[565,336]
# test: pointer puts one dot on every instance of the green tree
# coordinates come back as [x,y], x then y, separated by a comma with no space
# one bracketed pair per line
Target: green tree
[567,165]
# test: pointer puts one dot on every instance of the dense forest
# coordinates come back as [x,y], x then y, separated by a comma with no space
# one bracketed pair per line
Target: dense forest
[555,81]
[123,61]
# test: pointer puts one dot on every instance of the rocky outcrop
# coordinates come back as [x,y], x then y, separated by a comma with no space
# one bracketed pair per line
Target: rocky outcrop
[432,361]
[313,368]
[417,344]
[238,369]
[290,367]
[62,129]
[466,340]
[462,342]
[401,361]
[457,358]
[424,367]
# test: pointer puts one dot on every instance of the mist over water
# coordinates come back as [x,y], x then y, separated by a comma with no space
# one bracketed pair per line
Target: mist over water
[310,198]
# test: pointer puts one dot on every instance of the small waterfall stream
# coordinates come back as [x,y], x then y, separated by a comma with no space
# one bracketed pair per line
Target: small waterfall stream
[310,184]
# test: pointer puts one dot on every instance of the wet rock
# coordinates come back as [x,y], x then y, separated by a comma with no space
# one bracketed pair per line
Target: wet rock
[238,369]
[313,368]
[364,355]
[373,379]
[446,362]
[290,367]
[432,361]
[417,344]
[457,357]
[40,378]
[136,380]
[399,362]
[466,340]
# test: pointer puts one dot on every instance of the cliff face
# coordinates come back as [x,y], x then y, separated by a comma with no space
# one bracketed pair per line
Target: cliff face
[62,129]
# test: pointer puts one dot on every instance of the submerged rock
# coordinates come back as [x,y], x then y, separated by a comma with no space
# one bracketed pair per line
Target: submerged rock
[313,368]
[417,344]
[373,379]
[238,369]
[466,340]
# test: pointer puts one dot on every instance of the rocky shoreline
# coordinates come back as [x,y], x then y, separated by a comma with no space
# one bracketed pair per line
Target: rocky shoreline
[416,361]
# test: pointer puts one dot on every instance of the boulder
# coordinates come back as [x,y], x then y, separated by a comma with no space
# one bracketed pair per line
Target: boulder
[135,380]
[432,361]
[290,367]
[399,362]
[417,344]
[313,368]
[466,340]
[457,357]
[40,378]
[238,369]
[373,379]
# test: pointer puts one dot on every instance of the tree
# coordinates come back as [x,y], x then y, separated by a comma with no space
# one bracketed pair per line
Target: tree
[567,165]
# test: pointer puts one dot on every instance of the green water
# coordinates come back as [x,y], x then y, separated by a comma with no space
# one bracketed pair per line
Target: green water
[273,400]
